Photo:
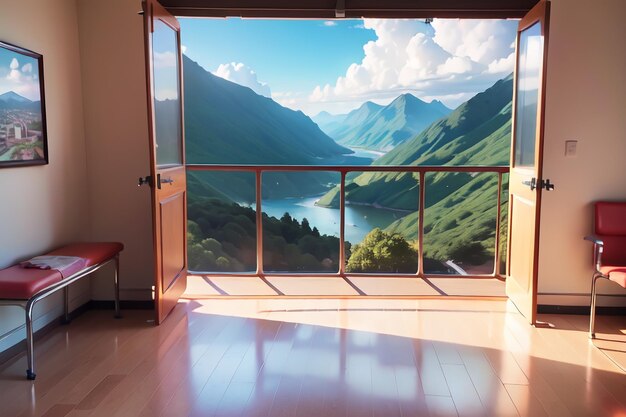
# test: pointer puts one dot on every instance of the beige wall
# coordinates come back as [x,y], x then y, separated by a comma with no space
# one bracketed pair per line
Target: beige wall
[586,101]
[114,97]
[45,206]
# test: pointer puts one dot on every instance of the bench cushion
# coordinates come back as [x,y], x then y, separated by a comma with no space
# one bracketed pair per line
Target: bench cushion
[93,252]
[17,283]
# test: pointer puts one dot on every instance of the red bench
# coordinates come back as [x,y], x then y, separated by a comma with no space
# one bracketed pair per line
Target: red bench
[24,286]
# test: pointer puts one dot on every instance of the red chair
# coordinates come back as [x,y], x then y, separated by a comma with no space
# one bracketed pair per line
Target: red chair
[609,249]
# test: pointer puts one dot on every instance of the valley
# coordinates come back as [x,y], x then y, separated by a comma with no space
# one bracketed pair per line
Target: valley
[230,124]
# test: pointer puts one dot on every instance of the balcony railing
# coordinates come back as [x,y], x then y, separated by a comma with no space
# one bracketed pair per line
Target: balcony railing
[421,171]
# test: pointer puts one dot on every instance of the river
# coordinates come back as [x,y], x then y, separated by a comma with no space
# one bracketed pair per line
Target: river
[360,220]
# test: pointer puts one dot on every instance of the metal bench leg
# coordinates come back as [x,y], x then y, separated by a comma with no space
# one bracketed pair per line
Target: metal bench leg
[66,305]
[592,318]
[118,314]
[30,353]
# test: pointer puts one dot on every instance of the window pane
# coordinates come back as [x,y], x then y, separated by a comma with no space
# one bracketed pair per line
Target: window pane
[221,229]
[298,234]
[528,78]
[459,229]
[382,232]
[166,95]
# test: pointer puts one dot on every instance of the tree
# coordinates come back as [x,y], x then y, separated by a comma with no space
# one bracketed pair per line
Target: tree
[382,252]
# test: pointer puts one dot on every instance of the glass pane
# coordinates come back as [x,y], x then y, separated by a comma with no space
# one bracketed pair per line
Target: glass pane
[504,225]
[221,227]
[528,79]
[459,229]
[166,95]
[299,235]
[382,230]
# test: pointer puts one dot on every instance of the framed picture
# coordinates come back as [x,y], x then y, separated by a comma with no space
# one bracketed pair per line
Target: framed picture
[22,108]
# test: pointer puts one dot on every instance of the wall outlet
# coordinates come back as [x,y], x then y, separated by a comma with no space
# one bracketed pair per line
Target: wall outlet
[570,148]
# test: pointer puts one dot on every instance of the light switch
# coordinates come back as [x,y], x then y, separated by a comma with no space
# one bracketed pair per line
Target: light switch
[570,148]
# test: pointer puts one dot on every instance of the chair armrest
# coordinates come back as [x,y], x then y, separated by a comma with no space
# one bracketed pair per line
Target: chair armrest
[595,239]
[598,248]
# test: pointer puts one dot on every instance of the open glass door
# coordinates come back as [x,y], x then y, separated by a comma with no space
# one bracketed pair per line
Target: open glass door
[525,183]
[167,155]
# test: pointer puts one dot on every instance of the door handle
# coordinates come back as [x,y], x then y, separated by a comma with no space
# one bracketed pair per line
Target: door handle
[532,183]
[545,184]
[163,181]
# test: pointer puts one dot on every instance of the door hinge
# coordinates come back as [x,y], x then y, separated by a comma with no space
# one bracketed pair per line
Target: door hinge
[145,180]
[547,185]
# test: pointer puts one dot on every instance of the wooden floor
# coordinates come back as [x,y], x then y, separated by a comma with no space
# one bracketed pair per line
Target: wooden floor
[312,357]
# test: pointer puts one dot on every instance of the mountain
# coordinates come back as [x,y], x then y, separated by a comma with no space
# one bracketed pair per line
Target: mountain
[226,123]
[338,126]
[460,207]
[382,128]
[12,100]
[327,121]
[11,95]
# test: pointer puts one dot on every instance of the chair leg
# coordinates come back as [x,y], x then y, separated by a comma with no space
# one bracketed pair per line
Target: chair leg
[116,278]
[592,317]
[30,353]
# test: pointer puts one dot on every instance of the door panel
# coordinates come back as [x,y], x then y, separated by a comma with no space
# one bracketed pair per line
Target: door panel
[526,160]
[167,155]
[173,228]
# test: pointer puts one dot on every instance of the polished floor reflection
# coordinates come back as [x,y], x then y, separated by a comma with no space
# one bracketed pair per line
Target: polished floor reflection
[312,357]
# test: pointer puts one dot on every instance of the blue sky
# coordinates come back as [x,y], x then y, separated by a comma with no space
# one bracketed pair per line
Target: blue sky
[19,73]
[289,55]
[315,65]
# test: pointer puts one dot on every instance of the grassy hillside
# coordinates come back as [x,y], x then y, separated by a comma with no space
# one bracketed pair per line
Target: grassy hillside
[460,207]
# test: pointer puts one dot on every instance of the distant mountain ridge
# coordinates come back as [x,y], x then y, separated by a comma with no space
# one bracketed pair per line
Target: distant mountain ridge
[12,95]
[12,100]
[382,128]
[226,123]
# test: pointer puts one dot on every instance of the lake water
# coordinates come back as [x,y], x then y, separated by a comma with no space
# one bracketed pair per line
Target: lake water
[365,153]
[360,220]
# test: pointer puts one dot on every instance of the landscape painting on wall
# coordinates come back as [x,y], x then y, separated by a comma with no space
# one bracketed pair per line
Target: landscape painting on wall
[22,109]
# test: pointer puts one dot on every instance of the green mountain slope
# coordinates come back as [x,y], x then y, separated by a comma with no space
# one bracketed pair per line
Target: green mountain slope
[382,128]
[226,123]
[460,207]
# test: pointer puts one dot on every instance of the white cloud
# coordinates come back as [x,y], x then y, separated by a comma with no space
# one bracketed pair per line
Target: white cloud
[330,23]
[502,65]
[23,82]
[165,59]
[183,48]
[450,60]
[243,75]
[163,93]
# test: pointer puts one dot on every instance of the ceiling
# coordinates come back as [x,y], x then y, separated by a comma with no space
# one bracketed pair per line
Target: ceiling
[327,9]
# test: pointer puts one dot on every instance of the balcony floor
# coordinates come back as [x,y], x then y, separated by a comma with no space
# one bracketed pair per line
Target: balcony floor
[214,286]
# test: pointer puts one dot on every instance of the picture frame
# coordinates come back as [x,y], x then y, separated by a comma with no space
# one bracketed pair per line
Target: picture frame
[23,134]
